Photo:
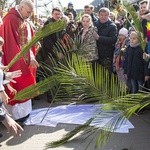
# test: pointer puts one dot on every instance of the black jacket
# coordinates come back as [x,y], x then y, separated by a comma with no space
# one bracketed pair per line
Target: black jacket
[107,38]
[135,66]
[49,42]
[72,11]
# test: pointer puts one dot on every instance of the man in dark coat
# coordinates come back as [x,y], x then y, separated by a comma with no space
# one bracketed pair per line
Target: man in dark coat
[89,9]
[107,32]
[50,41]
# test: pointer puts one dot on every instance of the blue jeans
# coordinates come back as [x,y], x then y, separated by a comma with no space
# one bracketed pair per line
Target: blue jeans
[135,85]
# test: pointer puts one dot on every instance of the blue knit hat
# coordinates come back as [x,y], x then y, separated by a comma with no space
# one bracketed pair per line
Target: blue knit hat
[70,4]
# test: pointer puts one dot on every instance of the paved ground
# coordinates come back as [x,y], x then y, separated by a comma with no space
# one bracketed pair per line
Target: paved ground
[35,137]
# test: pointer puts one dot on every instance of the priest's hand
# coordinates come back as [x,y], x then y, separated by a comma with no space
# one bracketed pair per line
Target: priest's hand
[34,63]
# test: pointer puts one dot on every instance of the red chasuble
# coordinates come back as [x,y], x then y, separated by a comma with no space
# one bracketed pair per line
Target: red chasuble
[15,32]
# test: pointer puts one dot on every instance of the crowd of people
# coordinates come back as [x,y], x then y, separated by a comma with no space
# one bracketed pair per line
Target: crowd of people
[112,44]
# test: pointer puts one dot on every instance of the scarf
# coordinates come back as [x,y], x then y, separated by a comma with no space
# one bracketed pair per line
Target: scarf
[134,45]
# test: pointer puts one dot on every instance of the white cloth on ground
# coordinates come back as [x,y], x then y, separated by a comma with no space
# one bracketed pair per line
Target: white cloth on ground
[78,114]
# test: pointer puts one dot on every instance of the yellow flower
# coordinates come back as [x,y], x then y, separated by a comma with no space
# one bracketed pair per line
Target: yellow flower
[148,26]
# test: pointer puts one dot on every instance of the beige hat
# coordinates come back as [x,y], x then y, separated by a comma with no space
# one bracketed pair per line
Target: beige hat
[123,31]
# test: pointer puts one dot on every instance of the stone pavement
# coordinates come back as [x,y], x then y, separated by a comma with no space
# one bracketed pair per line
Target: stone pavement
[35,137]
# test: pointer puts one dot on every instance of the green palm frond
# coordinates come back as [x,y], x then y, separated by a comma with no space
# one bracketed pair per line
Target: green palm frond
[69,135]
[40,88]
[77,79]
[79,15]
[73,77]
[45,31]
[137,23]
[126,108]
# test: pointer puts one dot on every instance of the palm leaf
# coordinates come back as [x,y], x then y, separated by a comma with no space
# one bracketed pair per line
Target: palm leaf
[73,76]
[45,31]
[137,23]
[34,90]
[77,79]
[69,135]
[127,104]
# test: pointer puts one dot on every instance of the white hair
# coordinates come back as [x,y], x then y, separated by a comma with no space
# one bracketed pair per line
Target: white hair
[28,3]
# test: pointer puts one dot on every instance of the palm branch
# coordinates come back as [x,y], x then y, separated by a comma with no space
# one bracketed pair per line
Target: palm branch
[45,31]
[74,75]
[69,135]
[127,105]
[137,23]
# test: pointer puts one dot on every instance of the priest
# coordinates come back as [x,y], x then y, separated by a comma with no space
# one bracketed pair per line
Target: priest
[16,32]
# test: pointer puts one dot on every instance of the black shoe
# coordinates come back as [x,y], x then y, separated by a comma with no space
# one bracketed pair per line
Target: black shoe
[22,120]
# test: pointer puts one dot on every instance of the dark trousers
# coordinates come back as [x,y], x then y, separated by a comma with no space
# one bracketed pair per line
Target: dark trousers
[136,85]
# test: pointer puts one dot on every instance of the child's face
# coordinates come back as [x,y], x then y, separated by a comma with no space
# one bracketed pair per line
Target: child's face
[121,37]
[134,39]
[70,7]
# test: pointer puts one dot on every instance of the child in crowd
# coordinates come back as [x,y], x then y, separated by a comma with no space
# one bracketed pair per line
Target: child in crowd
[118,58]
[135,67]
